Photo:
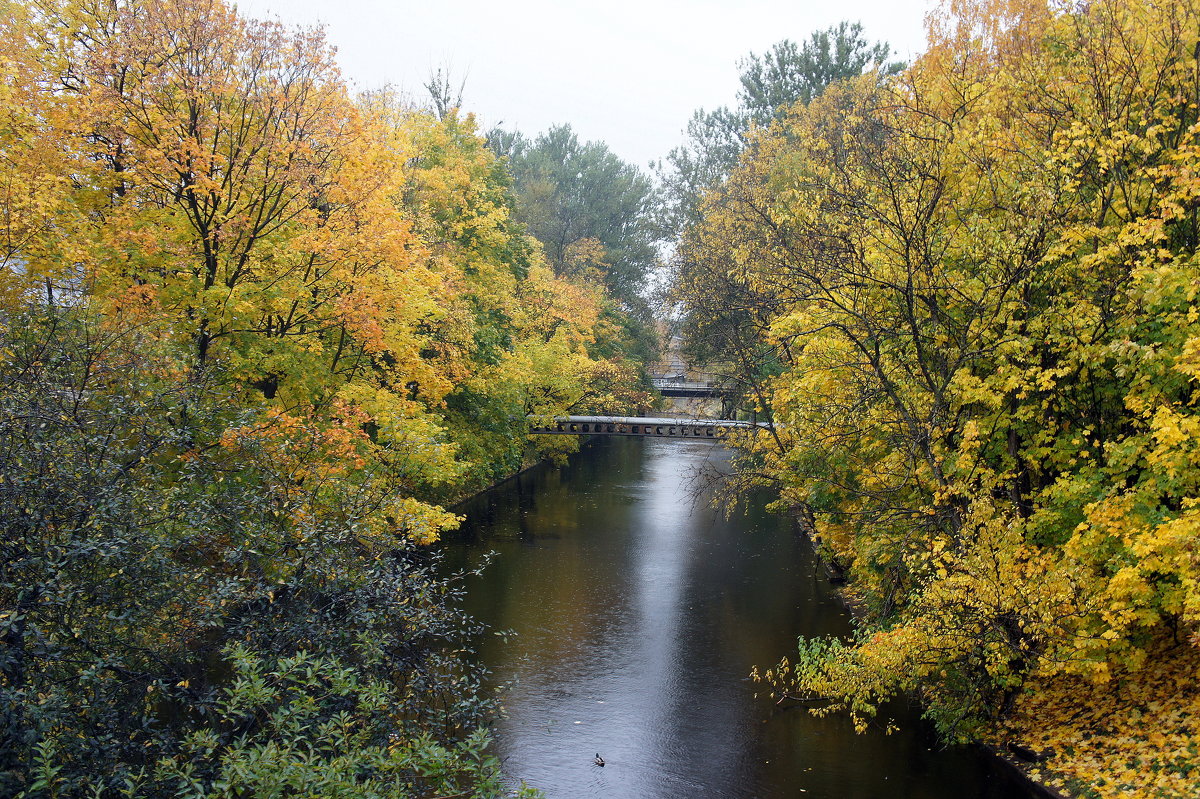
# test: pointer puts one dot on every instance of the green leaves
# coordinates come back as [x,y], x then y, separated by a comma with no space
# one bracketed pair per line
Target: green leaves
[149,521]
[570,192]
[300,728]
[254,334]
[788,73]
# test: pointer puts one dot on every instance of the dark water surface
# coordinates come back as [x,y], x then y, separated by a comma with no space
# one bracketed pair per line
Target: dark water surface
[638,614]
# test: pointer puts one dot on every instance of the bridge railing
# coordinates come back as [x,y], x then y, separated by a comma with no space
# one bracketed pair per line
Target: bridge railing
[640,426]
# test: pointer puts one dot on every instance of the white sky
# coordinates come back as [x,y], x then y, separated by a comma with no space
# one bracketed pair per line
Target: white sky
[627,72]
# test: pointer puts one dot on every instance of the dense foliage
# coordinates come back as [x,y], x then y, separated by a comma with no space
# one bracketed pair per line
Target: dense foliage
[199,599]
[721,327]
[596,217]
[978,282]
[255,334]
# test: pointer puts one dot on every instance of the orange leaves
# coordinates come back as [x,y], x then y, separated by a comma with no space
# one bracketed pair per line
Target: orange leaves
[351,266]
[321,469]
[138,302]
[301,450]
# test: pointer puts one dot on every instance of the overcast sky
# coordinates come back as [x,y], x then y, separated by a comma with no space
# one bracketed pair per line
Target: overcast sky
[627,72]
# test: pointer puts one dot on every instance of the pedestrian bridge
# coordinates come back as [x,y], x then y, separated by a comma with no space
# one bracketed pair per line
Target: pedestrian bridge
[639,426]
[678,385]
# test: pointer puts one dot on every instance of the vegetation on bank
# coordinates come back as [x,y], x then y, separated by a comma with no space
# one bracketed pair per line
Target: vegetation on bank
[255,333]
[967,293]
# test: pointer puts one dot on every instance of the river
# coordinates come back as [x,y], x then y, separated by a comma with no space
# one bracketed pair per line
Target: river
[638,612]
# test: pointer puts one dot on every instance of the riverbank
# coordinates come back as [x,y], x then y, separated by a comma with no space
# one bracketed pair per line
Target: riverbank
[457,505]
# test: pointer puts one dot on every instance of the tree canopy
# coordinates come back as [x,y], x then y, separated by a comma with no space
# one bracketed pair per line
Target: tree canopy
[592,211]
[597,220]
[770,84]
[256,334]
[975,286]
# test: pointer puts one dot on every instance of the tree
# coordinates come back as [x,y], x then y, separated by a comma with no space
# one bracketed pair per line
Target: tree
[300,324]
[316,248]
[570,193]
[35,168]
[713,142]
[973,280]
[597,220]
[442,92]
[726,320]
[788,74]
[144,554]
[771,83]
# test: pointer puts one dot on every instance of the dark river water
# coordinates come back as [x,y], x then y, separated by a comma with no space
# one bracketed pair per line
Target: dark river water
[638,613]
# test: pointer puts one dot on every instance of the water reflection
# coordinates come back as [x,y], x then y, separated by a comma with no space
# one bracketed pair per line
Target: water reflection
[639,612]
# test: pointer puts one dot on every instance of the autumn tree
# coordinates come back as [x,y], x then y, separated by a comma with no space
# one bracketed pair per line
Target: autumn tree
[255,335]
[725,319]
[35,168]
[973,280]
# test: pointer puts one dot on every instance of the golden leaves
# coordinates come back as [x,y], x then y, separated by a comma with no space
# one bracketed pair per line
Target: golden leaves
[344,263]
[1136,733]
[979,283]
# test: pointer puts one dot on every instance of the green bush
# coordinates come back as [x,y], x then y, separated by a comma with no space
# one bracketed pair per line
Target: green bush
[169,627]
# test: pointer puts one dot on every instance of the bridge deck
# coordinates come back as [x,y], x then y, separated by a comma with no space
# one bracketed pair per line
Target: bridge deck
[640,426]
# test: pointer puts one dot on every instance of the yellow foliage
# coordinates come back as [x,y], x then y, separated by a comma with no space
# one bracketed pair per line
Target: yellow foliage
[978,283]
[350,265]
[1133,735]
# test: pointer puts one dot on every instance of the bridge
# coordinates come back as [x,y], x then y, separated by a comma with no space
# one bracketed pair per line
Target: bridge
[680,386]
[640,426]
